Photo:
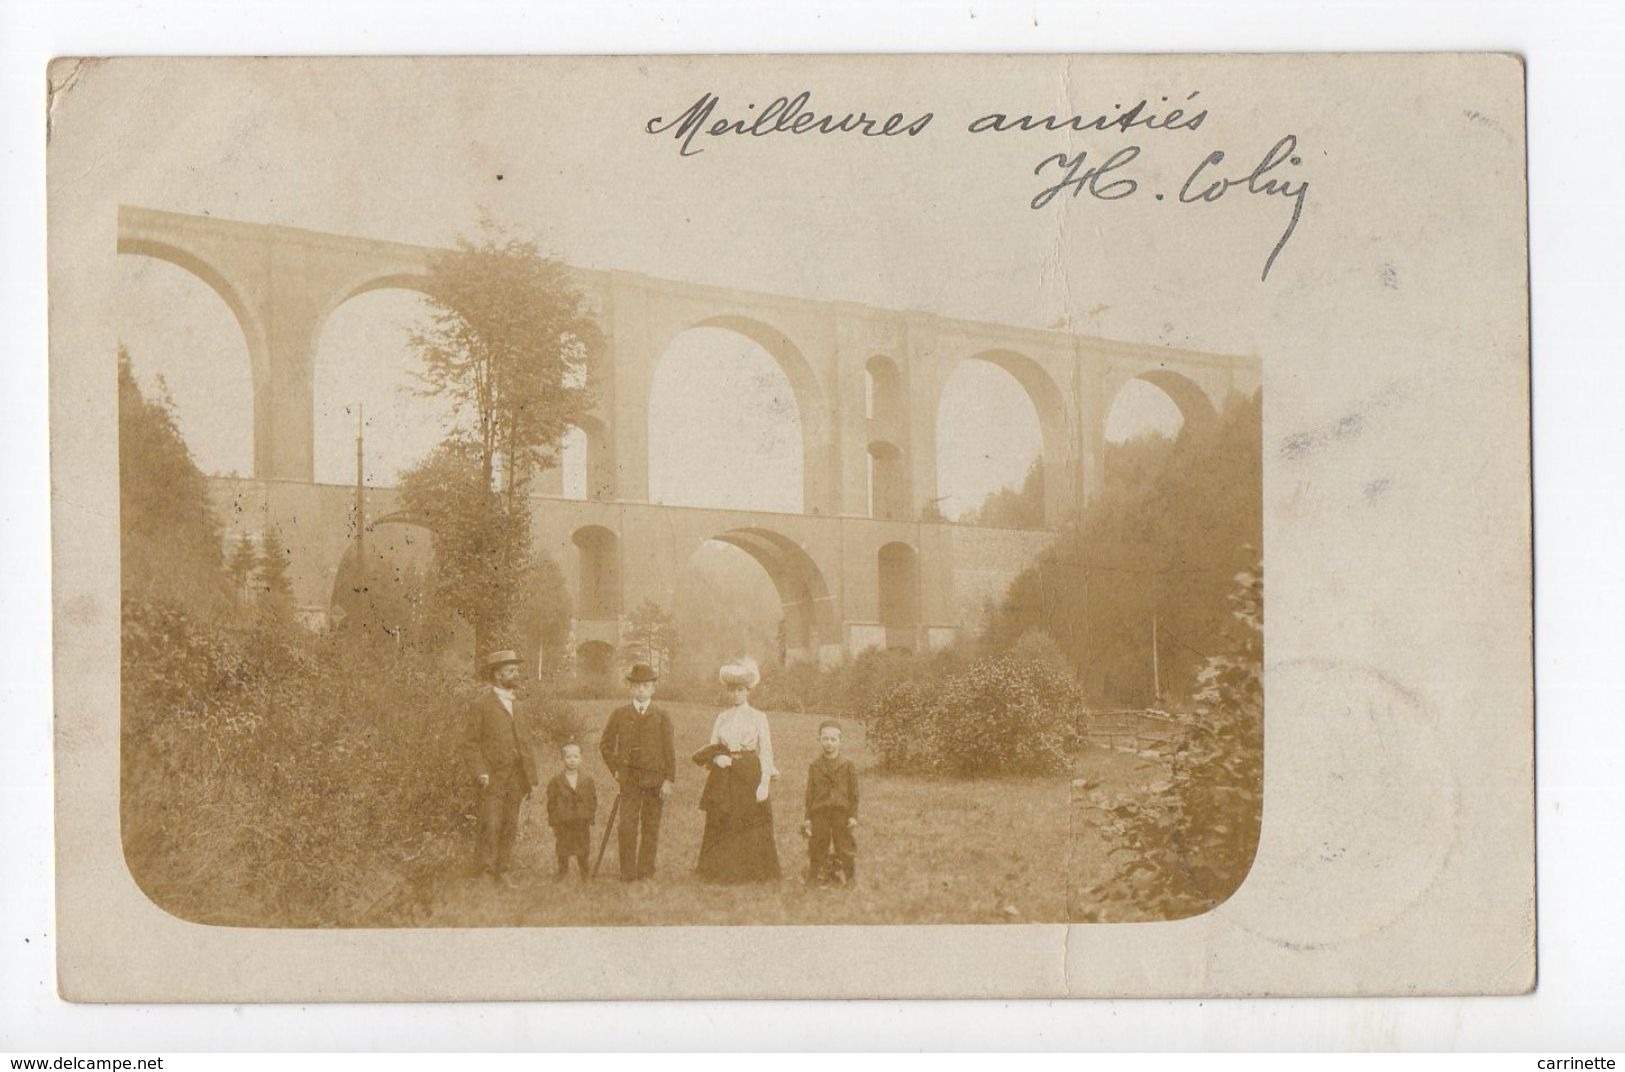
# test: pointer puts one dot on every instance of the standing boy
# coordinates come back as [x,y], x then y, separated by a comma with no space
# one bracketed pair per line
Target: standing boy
[832,812]
[572,806]
[638,748]
[500,753]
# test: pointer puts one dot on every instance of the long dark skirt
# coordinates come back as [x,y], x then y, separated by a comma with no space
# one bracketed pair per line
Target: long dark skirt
[738,842]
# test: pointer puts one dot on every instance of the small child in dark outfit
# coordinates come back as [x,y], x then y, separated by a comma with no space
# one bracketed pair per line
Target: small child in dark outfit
[832,812]
[572,806]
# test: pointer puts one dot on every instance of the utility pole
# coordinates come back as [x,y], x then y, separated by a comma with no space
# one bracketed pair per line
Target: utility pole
[1082,490]
[360,502]
[1156,675]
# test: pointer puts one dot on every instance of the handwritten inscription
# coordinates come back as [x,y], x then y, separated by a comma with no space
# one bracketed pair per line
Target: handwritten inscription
[1106,181]
[1096,172]
[1258,181]
[784,115]
[1120,119]
[1093,180]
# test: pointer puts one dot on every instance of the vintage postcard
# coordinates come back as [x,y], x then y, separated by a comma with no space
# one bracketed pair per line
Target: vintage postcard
[782,526]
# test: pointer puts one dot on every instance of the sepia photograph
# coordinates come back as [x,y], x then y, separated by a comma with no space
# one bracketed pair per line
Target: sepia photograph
[816,504]
[446,569]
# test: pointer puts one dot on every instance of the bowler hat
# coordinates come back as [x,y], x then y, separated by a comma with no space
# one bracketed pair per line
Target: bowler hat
[640,673]
[501,658]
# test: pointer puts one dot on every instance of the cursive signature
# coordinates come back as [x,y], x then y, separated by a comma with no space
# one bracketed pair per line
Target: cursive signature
[1256,181]
[1080,179]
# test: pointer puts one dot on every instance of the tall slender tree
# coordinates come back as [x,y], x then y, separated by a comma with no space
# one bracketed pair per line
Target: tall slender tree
[509,340]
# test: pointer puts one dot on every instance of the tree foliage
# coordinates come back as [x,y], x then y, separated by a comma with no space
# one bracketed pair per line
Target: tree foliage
[1183,846]
[1014,508]
[243,568]
[481,549]
[543,627]
[170,541]
[651,637]
[275,559]
[1174,523]
[509,341]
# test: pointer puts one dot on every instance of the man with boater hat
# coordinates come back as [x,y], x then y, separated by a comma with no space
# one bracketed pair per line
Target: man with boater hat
[638,747]
[501,754]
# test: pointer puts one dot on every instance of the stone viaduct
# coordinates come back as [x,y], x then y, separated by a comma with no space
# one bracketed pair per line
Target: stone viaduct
[858,568]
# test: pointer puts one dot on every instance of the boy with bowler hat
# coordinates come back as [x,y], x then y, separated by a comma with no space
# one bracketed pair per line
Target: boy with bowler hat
[638,748]
[500,753]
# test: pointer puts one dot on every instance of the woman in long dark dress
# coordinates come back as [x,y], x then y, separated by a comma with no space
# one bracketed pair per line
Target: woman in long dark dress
[738,842]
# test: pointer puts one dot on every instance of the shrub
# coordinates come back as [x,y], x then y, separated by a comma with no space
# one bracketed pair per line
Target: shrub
[801,688]
[1186,847]
[1012,713]
[557,720]
[275,777]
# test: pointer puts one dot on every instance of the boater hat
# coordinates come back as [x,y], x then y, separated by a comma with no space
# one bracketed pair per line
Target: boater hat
[501,658]
[641,673]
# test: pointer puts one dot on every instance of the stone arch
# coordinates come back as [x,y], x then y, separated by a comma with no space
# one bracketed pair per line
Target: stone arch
[898,568]
[1196,405]
[598,572]
[396,543]
[809,611]
[1050,406]
[409,279]
[811,399]
[253,330]
[403,421]
[884,400]
[584,455]
[595,660]
[254,335]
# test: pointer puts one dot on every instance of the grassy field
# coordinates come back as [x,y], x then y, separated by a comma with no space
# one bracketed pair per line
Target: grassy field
[929,850]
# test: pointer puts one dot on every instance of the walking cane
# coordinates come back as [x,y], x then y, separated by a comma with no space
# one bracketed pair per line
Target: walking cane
[609,824]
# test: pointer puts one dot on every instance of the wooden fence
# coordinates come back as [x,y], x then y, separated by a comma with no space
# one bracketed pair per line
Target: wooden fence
[1140,731]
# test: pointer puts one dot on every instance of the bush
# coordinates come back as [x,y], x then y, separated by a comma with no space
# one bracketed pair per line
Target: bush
[275,777]
[801,688]
[1185,847]
[557,720]
[1013,713]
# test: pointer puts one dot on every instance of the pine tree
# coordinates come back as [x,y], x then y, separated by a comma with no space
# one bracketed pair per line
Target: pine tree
[245,561]
[274,560]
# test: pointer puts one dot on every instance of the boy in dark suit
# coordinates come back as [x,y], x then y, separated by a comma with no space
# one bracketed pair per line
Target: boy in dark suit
[832,812]
[500,752]
[572,806]
[638,748]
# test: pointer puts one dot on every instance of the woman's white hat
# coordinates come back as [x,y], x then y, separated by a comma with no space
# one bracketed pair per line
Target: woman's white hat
[740,672]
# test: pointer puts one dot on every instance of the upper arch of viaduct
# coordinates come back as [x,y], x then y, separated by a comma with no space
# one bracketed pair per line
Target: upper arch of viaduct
[282,284]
